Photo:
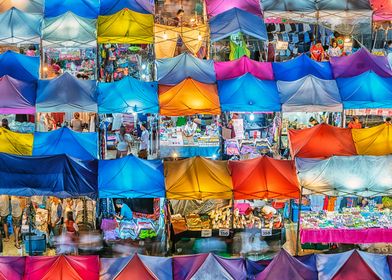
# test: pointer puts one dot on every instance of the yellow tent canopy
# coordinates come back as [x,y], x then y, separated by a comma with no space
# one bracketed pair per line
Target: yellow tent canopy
[16,143]
[198,178]
[376,141]
[189,97]
[126,27]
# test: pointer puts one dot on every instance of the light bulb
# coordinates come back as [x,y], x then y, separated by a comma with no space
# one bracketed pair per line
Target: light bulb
[164,36]
[144,66]
[199,37]
[175,155]
[252,117]
[214,156]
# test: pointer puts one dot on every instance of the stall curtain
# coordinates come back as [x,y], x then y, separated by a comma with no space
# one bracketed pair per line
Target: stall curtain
[59,176]
[27,6]
[131,177]
[76,96]
[301,66]
[126,27]
[197,178]
[376,141]
[321,141]
[171,71]
[19,27]
[264,177]
[80,145]
[189,97]
[12,268]
[216,7]
[360,62]
[165,41]
[69,30]
[340,175]
[110,7]
[17,97]
[234,21]
[226,70]
[365,91]
[19,66]
[382,10]
[15,143]
[82,8]
[248,94]
[128,95]
[310,94]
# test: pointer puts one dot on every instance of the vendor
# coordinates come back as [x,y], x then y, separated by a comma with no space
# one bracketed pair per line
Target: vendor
[355,123]
[125,211]
[189,130]
[4,124]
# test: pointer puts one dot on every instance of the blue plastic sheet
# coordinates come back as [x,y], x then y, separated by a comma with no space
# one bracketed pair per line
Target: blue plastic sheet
[83,8]
[19,66]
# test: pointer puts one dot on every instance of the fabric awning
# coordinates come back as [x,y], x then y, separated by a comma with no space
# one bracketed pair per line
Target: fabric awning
[17,97]
[19,66]
[110,7]
[12,268]
[216,7]
[376,141]
[27,6]
[82,8]
[15,143]
[382,10]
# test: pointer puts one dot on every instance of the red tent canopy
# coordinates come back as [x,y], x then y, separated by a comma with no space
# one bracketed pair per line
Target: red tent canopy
[355,268]
[264,177]
[321,141]
[382,10]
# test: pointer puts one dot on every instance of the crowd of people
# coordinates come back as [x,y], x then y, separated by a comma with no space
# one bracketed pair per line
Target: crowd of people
[124,142]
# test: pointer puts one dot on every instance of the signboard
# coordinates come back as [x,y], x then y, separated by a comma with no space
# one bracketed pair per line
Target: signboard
[266,232]
[224,232]
[282,46]
[206,232]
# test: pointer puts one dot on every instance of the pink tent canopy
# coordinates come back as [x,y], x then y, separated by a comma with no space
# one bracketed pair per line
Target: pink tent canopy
[382,10]
[216,7]
[12,268]
[236,68]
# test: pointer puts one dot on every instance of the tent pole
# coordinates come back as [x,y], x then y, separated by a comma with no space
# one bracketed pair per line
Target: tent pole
[298,223]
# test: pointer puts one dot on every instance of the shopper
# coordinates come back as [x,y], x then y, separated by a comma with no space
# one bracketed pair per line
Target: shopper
[55,214]
[125,211]
[17,206]
[144,144]
[70,224]
[4,213]
[388,120]
[123,142]
[4,124]
[355,123]
[76,123]
[317,51]
[334,50]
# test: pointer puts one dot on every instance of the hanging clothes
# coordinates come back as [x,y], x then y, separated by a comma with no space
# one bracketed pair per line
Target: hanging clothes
[238,47]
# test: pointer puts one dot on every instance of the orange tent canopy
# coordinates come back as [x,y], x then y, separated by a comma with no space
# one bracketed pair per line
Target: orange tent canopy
[321,141]
[264,177]
[374,141]
[189,97]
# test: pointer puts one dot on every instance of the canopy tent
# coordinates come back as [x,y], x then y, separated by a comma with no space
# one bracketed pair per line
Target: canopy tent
[235,20]
[66,93]
[310,94]
[197,178]
[19,27]
[15,143]
[356,175]
[359,62]
[366,91]
[82,8]
[131,177]
[171,71]
[264,177]
[12,268]
[126,27]
[128,95]
[69,30]
[62,267]
[232,69]
[136,267]
[19,66]
[321,141]
[382,10]
[216,7]
[375,141]
[301,66]
[352,265]
[188,98]
[27,6]
[110,7]
[59,176]
[17,97]
[248,94]
[80,145]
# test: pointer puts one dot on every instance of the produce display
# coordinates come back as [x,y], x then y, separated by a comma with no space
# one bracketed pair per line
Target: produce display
[257,217]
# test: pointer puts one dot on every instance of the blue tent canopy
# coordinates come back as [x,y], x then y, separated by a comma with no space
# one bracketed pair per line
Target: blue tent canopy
[27,6]
[19,66]
[110,7]
[128,96]
[17,97]
[300,67]
[248,94]
[366,91]
[82,8]
[81,145]
[172,71]
[131,177]
[236,20]
[59,176]
[66,93]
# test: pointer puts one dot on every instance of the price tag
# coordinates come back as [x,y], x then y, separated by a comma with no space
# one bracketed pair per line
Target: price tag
[206,232]
[266,232]
[224,232]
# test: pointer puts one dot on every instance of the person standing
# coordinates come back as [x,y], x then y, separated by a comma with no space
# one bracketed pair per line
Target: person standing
[144,142]
[317,51]
[56,214]
[355,123]
[4,213]
[18,204]
[76,123]
[4,124]
[123,140]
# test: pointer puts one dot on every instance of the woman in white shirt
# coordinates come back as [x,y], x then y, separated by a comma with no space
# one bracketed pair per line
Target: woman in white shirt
[123,140]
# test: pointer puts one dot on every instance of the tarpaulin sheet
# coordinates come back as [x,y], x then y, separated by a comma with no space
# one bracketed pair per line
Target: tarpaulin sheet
[189,97]
[110,7]
[17,97]
[82,8]
[19,66]
[80,145]
[171,71]
[232,69]
[15,143]
[264,177]
[128,95]
[126,27]
[310,94]
[131,177]
[248,94]
[321,141]
[234,21]
[12,268]
[66,93]
[216,7]
[27,6]
[197,178]
[376,141]
[382,10]
[59,176]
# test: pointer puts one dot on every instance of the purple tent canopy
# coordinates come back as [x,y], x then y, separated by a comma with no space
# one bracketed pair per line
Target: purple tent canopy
[12,268]
[17,97]
[236,68]
[358,63]
[216,7]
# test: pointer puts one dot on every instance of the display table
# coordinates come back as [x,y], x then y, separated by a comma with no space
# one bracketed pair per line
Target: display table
[188,151]
[347,236]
